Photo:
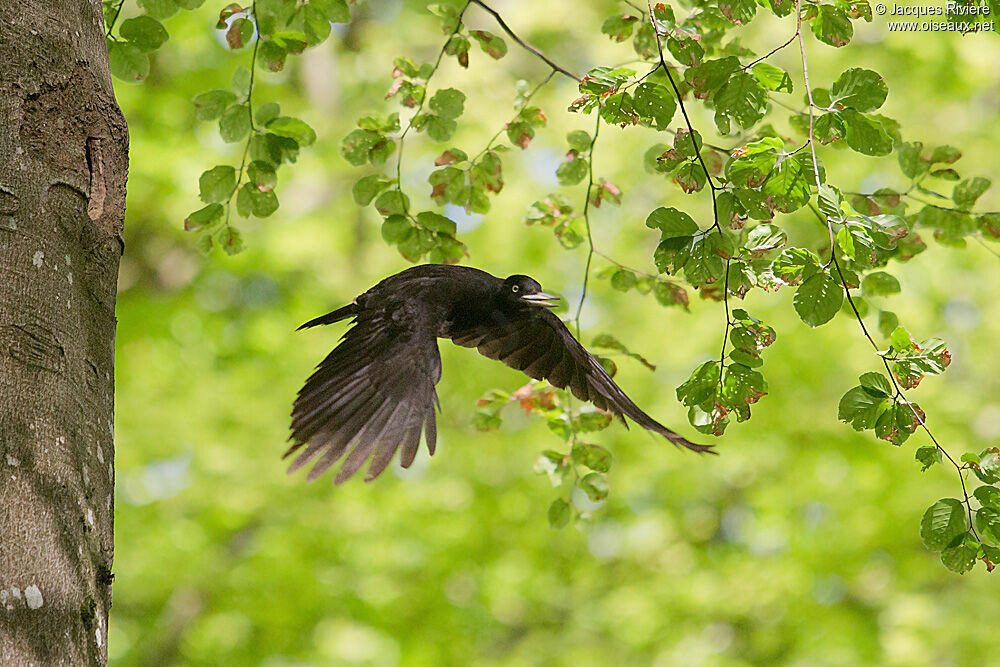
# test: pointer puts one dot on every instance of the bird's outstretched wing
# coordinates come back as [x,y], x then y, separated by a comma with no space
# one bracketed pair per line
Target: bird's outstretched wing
[539,344]
[372,395]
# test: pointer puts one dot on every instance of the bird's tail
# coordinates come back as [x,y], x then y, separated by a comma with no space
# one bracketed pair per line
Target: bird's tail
[681,441]
[349,310]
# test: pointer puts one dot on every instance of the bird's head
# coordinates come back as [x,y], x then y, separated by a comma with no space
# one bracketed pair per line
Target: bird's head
[522,290]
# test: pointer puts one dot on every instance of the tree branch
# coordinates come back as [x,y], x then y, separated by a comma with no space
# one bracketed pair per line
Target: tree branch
[528,47]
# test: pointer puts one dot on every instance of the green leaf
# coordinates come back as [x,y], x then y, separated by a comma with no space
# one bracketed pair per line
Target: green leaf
[272,55]
[395,229]
[943,523]
[879,283]
[440,129]
[887,322]
[231,240]
[356,146]
[317,15]
[764,238]
[988,522]
[654,104]
[241,81]
[560,513]
[437,223]
[623,280]
[273,149]
[910,162]
[859,89]
[685,49]
[818,299]
[671,223]
[619,27]
[670,294]
[234,123]
[159,9]
[366,189]
[618,110]
[262,175]
[217,184]
[832,26]
[741,99]
[865,134]
[709,76]
[859,408]
[490,43]
[989,466]
[592,456]
[381,151]
[877,385]
[144,32]
[252,201]
[988,496]
[690,177]
[265,113]
[127,62]
[706,264]
[701,386]
[448,103]
[292,128]
[968,191]
[204,218]
[595,485]
[572,171]
[960,558]
[211,104]
[240,33]
[773,78]
[794,265]
[739,12]
[752,164]
[392,202]
[927,455]
[602,80]
[579,141]
[741,388]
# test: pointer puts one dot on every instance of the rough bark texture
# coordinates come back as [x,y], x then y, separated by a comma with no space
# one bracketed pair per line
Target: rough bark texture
[63,164]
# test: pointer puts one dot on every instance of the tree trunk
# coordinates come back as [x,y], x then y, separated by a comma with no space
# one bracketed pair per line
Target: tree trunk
[63,165]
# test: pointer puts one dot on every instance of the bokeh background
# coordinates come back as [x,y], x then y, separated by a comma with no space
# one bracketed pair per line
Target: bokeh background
[797,546]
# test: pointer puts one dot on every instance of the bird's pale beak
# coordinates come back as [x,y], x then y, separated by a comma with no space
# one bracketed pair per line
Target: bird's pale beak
[541,299]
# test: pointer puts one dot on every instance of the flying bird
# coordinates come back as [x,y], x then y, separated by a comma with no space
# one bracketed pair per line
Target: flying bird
[374,393]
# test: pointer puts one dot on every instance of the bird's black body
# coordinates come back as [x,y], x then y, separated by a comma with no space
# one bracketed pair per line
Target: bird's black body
[375,393]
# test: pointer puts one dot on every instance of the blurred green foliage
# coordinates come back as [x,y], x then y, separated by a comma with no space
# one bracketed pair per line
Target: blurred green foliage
[798,545]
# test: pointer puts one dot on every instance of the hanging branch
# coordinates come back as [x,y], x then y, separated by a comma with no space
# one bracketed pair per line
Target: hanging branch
[899,394]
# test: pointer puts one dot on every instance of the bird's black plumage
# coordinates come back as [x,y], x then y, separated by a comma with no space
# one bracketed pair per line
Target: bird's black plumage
[374,393]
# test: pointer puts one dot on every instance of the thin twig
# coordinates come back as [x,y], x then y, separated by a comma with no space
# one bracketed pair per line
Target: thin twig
[847,292]
[714,188]
[687,120]
[810,139]
[729,322]
[647,274]
[114,19]
[772,51]
[586,221]
[527,98]
[420,106]
[253,127]
[528,47]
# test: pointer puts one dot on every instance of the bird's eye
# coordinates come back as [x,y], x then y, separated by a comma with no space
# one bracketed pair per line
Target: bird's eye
[515,289]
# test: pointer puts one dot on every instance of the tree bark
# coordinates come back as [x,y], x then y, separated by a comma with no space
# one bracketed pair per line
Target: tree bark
[63,165]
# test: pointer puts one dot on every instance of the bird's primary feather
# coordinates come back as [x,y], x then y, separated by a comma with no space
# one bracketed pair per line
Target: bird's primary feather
[374,395]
